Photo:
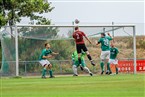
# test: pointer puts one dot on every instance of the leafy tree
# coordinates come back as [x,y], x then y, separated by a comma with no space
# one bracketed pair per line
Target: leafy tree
[32,41]
[3,20]
[64,48]
[0,52]
[11,11]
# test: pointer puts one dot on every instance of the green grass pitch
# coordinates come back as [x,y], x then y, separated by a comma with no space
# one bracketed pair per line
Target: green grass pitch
[125,85]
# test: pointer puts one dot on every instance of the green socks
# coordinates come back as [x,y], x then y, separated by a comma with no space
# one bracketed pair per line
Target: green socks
[108,67]
[102,66]
[116,70]
[50,72]
[44,72]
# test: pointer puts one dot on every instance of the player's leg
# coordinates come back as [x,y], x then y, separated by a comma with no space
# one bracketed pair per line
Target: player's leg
[75,70]
[45,65]
[79,58]
[103,57]
[44,71]
[108,63]
[116,65]
[108,68]
[90,58]
[88,54]
[74,67]
[88,70]
[81,68]
[79,50]
[102,66]
[50,71]
[83,64]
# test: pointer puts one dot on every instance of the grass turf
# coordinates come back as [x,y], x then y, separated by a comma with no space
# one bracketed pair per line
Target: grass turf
[81,86]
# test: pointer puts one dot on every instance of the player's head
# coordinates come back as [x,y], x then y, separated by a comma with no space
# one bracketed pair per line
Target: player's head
[112,44]
[76,28]
[103,34]
[47,45]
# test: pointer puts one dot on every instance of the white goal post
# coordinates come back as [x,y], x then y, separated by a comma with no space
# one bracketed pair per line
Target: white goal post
[117,25]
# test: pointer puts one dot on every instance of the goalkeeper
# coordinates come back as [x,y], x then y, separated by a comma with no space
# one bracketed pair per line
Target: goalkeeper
[76,63]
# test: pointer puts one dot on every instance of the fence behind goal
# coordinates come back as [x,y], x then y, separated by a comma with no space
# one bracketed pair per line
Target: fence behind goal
[22,46]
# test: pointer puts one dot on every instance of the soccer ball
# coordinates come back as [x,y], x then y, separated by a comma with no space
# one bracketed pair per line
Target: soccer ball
[77,21]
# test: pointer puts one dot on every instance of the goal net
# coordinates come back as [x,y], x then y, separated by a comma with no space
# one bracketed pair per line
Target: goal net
[22,46]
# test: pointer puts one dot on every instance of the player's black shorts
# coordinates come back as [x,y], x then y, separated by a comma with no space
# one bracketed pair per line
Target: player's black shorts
[81,47]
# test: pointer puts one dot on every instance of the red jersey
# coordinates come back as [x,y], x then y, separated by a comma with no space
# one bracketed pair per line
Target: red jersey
[78,36]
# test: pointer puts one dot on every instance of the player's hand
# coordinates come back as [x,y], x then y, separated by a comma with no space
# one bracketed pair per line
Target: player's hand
[108,34]
[96,42]
[90,42]
[49,56]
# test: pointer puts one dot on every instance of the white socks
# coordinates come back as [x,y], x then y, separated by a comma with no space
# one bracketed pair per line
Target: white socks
[75,69]
[87,69]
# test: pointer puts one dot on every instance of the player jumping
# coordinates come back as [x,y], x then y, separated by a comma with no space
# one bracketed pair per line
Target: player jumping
[80,44]
[46,54]
[76,63]
[105,54]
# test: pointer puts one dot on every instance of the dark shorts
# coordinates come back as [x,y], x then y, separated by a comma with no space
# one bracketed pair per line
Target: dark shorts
[81,47]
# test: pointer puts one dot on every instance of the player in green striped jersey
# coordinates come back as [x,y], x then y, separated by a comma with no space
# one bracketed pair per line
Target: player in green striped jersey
[105,53]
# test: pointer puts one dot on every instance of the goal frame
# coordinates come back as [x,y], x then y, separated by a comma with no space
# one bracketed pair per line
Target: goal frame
[133,26]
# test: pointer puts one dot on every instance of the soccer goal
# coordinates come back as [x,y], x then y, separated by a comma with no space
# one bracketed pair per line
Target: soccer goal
[22,45]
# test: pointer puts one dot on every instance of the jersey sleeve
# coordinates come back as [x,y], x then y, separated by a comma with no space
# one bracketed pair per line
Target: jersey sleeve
[109,38]
[72,56]
[117,51]
[75,56]
[100,40]
[50,51]
[83,34]
[43,53]
[73,35]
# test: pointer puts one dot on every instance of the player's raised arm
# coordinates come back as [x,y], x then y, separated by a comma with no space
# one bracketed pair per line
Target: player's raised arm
[97,43]
[88,39]
[80,44]
[110,36]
